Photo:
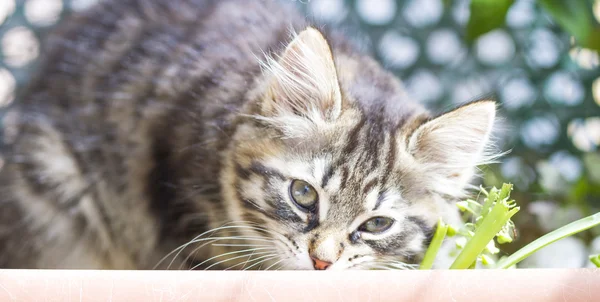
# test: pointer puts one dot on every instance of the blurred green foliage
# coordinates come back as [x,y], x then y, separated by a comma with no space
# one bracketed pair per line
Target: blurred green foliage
[574,16]
[486,15]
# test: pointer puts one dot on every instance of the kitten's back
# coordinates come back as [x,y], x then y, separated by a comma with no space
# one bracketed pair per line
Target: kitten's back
[108,130]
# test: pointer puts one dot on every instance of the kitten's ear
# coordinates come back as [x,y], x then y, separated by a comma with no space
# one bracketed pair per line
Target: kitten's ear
[304,81]
[453,144]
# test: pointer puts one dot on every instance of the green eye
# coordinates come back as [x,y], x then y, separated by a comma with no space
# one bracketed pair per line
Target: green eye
[376,225]
[303,194]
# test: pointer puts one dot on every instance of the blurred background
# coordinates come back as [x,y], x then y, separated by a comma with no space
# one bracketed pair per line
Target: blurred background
[548,86]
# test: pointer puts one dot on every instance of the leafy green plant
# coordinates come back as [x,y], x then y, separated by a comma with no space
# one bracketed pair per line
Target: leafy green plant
[573,16]
[492,221]
[434,246]
[492,224]
[486,15]
[565,231]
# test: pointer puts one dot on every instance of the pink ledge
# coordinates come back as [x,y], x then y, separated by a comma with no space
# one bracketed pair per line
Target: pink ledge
[479,285]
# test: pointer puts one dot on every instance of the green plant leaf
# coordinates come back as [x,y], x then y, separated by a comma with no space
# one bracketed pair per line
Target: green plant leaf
[434,246]
[576,18]
[486,15]
[501,210]
[566,231]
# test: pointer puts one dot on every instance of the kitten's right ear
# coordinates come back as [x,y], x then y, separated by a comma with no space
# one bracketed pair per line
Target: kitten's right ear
[453,144]
[304,82]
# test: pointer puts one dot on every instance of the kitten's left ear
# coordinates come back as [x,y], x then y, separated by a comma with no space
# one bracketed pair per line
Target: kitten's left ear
[304,81]
[453,144]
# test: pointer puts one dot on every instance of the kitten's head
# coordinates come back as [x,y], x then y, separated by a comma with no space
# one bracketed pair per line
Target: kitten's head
[335,182]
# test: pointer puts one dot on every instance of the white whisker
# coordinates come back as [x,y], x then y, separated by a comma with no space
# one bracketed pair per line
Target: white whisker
[234,252]
[183,246]
[273,256]
[199,239]
[240,245]
[229,259]
[270,266]
[211,239]
[212,242]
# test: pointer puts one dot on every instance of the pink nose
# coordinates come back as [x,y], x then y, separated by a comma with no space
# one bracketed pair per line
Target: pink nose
[320,264]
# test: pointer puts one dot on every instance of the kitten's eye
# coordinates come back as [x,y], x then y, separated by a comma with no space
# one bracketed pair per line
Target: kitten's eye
[303,194]
[376,225]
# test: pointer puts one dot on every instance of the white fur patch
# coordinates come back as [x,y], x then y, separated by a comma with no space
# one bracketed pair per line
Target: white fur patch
[371,198]
[320,166]
[327,248]
[335,183]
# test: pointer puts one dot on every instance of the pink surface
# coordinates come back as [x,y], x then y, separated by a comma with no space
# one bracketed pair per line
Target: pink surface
[480,285]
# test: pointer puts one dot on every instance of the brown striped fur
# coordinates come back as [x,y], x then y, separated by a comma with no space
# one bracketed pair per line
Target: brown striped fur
[153,121]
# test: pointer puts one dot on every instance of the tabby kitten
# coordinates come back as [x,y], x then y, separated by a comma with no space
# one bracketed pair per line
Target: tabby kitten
[203,128]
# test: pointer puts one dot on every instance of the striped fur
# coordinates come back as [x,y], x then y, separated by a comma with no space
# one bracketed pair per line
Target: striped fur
[155,121]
